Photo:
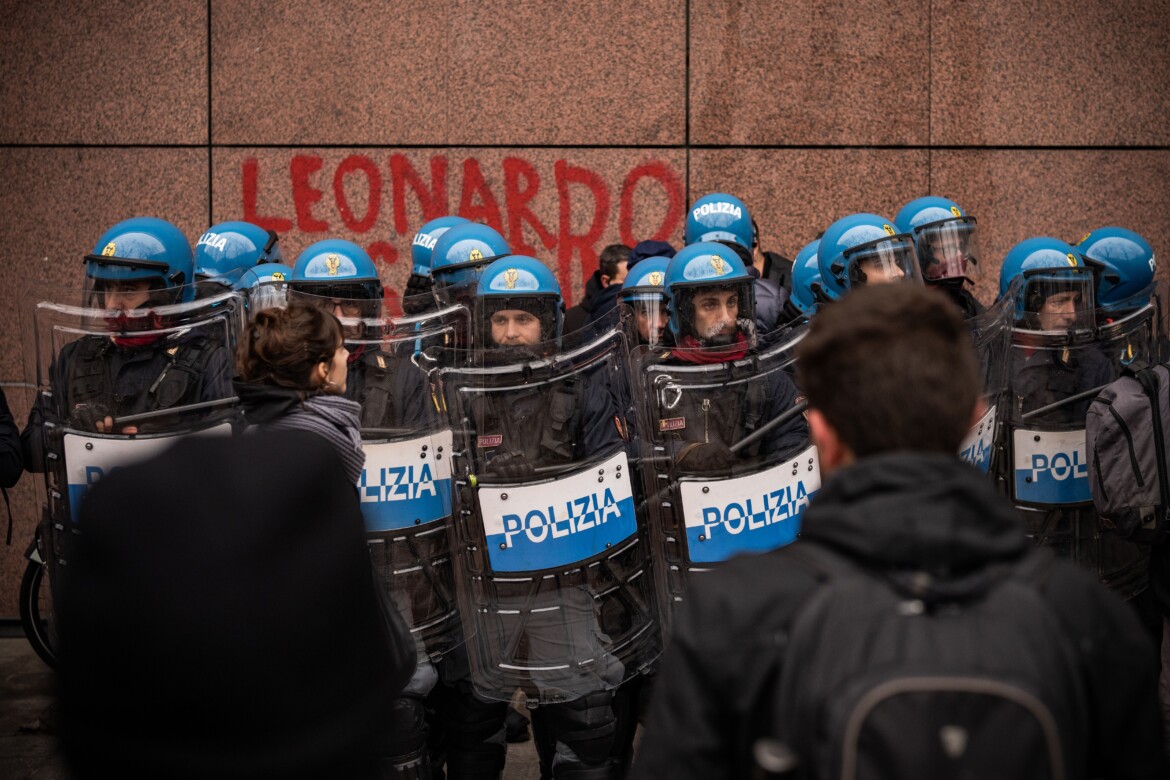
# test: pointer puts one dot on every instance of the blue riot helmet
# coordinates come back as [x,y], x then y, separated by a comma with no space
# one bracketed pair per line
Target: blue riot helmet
[711,297]
[266,286]
[720,217]
[459,258]
[425,240]
[945,238]
[234,246]
[644,291]
[864,249]
[1125,268]
[135,250]
[520,303]
[1056,290]
[807,288]
[339,275]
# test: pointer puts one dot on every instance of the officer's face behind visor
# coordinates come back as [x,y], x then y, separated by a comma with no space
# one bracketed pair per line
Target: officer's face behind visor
[122,294]
[650,316]
[349,303]
[1058,306]
[949,250]
[882,262]
[716,310]
[515,328]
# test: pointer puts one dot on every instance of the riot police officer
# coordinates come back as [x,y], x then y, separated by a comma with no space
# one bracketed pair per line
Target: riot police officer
[725,219]
[228,249]
[806,293]
[419,296]
[864,249]
[1060,359]
[644,292]
[711,307]
[536,421]
[136,367]
[265,285]
[947,242]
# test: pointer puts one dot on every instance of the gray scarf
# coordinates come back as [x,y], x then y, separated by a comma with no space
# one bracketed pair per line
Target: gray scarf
[334,418]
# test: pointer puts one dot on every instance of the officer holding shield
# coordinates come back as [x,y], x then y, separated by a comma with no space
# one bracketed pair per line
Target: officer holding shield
[712,321]
[547,590]
[1060,358]
[138,364]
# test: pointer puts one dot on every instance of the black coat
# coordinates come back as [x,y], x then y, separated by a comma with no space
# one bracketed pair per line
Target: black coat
[720,675]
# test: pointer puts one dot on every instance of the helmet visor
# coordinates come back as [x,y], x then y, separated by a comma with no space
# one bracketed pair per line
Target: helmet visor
[717,315]
[650,318]
[883,261]
[949,250]
[1059,300]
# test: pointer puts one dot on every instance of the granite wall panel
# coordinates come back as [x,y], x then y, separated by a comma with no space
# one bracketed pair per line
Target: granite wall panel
[450,72]
[57,202]
[1017,194]
[794,194]
[1058,72]
[111,72]
[809,72]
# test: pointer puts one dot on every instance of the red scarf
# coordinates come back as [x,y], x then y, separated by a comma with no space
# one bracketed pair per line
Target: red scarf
[120,323]
[692,351]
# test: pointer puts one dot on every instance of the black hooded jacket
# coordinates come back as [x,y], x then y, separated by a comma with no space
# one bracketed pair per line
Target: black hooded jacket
[720,675]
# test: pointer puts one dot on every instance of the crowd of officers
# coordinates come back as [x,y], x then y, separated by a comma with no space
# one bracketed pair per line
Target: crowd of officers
[478,325]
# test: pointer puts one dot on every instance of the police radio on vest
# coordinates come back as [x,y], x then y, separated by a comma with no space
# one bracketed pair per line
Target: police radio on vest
[718,208]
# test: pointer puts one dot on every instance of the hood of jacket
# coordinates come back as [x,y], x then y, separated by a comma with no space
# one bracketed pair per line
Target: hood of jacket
[914,510]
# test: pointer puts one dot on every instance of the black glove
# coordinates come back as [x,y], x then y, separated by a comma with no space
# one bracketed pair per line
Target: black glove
[510,465]
[705,457]
[85,417]
[418,297]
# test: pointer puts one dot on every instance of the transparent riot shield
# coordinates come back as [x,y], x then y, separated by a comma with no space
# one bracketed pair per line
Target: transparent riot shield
[552,567]
[991,333]
[1052,379]
[118,386]
[405,487]
[727,463]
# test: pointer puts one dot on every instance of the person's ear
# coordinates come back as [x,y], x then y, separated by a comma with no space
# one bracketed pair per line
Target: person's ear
[604,280]
[831,451]
[322,371]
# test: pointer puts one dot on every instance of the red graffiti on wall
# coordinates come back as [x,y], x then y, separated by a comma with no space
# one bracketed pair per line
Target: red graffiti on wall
[512,212]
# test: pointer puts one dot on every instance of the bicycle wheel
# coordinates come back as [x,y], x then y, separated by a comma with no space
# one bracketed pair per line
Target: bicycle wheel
[36,610]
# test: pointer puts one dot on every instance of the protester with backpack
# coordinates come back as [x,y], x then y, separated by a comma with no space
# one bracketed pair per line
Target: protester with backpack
[913,631]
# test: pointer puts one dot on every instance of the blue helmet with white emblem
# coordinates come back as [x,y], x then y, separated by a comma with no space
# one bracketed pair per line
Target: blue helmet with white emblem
[425,240]
[806,279]
[1125,267]
[339,270]
[460,256]
[711,296]
[143,248]
[864,249]
[232,247]
[945,237]
[720,217]
[266,285]
[644,290]
[518,283]
[1056,289]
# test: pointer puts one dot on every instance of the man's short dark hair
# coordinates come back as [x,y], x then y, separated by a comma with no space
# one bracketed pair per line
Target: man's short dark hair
[891,367]
[611,256]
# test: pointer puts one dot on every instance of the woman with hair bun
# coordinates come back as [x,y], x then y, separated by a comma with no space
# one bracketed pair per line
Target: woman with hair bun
[291,369]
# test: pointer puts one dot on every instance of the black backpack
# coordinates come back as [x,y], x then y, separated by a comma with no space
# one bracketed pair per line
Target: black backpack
[900,675]
[1125,433]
